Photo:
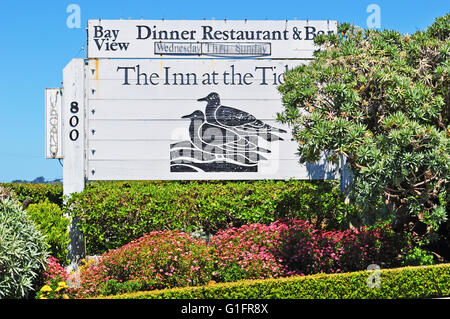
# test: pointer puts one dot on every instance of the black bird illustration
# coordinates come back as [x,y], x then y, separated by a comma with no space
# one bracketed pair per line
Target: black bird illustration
[219,140]
[239,121]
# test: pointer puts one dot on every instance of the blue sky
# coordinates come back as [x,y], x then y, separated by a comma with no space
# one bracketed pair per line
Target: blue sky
[37,44]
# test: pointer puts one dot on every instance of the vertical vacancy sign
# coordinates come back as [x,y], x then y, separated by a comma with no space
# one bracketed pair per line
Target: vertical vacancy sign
[53,123]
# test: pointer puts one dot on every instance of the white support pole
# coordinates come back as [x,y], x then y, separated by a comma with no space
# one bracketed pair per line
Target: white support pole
[74,171]
[342,172]
[345,173]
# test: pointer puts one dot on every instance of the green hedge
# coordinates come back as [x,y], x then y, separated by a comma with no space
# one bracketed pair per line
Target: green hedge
[36,193]
[50,220]
[114,213]
[408,282]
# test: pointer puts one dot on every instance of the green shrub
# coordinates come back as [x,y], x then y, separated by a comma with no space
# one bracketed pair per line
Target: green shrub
[53,224]
[115,213]
[418,257]
[381,100]
[409,282]
[23,252]
[35,193]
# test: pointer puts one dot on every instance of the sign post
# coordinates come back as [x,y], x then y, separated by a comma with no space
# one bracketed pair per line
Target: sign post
[74,169]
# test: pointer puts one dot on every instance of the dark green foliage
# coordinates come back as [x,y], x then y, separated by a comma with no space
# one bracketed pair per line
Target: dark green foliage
[382,100]
[23,252]
[50,220]
[115,213]
[35,193]
[409,282]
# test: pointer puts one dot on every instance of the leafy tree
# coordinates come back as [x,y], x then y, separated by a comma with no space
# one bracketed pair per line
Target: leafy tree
[382,100]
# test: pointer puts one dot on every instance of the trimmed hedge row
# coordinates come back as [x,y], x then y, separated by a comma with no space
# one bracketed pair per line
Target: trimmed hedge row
[36,193]
[408,282]
[115,213]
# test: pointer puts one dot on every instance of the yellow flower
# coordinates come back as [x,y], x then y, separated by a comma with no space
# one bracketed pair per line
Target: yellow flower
[43,297]
[65,297]
[46,288]
[62,284]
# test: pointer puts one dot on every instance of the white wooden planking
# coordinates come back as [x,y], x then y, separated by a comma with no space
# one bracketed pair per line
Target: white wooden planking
[106,69]
[157,170]
[145,149]
[179,79]
[53,123]
[169,130]
[135,117]
[114,90]
[166,109]
[204,38]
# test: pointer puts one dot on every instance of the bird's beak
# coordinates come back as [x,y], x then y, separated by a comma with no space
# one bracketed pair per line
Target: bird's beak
[202,99]
[186,116]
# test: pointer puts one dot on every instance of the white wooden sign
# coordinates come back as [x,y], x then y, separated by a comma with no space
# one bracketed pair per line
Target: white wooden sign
[189,119]
[205,38]
[53,123]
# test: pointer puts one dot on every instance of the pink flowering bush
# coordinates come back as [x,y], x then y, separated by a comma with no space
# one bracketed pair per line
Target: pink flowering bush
[166,259]
[160,259]
[294,247]
[372,245]
[247,253]
[55,278]
[305,250]
[283,248]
